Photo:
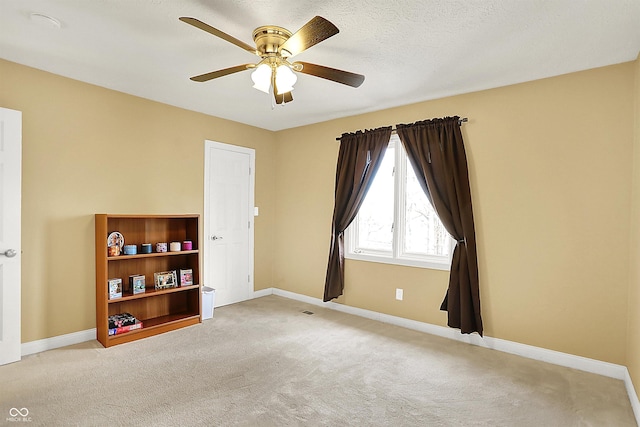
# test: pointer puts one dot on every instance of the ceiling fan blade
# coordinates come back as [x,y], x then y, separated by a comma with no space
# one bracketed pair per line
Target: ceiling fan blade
[339,76]
[215,74]
[312,33]
[209,29]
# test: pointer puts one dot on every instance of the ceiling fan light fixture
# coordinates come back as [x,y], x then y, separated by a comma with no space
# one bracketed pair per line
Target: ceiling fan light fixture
[285,79]
[261,77]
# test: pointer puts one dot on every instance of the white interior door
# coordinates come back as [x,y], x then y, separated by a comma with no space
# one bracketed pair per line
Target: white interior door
[228,228]
[10,199]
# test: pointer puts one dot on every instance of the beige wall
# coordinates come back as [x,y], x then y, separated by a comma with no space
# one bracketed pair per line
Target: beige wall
[550,169]
[90,150]
[633,328]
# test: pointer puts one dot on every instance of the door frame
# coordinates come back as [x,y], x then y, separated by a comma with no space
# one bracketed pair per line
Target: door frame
[208,146]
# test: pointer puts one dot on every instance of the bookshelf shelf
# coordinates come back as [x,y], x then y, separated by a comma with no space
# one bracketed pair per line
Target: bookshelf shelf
[151,255]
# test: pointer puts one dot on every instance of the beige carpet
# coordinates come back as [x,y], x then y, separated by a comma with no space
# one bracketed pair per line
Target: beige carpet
[266,363]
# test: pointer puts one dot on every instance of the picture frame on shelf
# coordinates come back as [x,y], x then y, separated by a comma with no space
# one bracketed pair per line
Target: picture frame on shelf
[186,277]
[165,280]
[137,283]
[115,288]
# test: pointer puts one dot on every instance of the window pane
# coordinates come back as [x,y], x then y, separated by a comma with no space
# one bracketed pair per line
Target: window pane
[424,233]
[375,218]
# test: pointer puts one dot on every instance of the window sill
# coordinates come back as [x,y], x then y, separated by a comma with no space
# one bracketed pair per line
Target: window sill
[432,265]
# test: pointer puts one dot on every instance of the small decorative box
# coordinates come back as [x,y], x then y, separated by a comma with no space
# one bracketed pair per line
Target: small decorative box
[174,247]
[145,248]
[187,245]
[161,247]
[130,249]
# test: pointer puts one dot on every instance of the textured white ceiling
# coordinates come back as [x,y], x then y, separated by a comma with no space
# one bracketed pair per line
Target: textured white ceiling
[409,51]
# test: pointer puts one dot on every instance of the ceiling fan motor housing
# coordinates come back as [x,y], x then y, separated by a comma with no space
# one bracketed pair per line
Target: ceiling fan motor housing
[269,38]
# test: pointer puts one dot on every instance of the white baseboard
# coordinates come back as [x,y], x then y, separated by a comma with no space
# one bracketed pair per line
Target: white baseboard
[633,396]
[58,341]
[536,353]
[262,293]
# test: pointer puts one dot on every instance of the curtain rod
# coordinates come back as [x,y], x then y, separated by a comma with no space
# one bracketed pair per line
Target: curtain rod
[462,120]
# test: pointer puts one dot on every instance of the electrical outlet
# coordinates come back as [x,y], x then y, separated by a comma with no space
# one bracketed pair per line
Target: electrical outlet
[399,294]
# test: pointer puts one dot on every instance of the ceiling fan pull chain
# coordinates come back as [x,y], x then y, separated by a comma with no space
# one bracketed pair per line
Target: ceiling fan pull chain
[272,98]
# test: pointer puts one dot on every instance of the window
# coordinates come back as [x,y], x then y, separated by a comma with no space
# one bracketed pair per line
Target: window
[396,223]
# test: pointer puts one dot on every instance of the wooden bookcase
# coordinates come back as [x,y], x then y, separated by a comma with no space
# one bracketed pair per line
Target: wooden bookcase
[159,310]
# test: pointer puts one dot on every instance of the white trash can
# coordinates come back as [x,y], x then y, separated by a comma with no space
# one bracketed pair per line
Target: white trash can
[208,299]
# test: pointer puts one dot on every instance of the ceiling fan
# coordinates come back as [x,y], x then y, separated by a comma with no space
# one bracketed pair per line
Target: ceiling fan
[275,46]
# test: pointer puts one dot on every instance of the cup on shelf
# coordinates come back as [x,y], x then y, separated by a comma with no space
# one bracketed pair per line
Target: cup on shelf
[174,247]
[187,245]
[145,248]
[161,247]
[114,250]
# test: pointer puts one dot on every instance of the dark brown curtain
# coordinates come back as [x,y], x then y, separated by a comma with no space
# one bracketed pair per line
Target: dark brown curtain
[359,158]
[436,152]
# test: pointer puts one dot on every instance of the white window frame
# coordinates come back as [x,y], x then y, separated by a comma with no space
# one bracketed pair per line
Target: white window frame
[396,256]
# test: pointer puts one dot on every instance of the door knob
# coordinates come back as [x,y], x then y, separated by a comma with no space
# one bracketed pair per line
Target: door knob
[216,238]
[9,253]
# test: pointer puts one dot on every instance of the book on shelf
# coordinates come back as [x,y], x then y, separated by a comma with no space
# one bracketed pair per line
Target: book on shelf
[121,319]
[123,329]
